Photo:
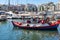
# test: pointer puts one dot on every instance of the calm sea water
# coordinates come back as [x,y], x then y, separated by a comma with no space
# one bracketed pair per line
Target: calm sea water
[9,32]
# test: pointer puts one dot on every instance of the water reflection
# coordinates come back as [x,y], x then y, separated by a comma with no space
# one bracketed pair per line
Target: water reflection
[38,35]
[3,22]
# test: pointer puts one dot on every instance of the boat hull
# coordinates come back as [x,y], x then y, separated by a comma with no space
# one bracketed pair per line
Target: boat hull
[53,27]
[3,19]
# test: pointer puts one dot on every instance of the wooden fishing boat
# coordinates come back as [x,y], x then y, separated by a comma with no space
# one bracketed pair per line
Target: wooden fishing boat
[35,27]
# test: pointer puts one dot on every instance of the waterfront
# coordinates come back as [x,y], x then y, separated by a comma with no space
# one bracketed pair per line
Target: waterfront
[9,32]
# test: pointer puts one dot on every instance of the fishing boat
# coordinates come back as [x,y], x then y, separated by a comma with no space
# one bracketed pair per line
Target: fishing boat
[35,26]
[44,24]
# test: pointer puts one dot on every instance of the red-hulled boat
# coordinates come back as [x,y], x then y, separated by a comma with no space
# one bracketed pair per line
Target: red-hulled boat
[20,25]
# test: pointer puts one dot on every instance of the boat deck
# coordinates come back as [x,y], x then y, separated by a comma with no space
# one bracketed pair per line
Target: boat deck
[35,25]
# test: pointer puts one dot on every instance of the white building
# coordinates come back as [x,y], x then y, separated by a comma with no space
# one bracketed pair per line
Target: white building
[58,6]
[51,6]
[48,6]
[3,7]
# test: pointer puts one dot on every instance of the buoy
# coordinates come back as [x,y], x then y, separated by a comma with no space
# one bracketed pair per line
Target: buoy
[42,21]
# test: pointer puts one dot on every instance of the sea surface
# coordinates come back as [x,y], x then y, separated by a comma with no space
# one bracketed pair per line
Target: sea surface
[9,32]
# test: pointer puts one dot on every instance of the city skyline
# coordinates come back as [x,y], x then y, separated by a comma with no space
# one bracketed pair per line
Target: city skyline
[15,2]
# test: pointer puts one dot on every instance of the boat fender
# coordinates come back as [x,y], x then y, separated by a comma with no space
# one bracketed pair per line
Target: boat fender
[42,21]
[53,23]
[19,23]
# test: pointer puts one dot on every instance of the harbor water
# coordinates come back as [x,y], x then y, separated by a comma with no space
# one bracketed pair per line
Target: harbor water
[9,32]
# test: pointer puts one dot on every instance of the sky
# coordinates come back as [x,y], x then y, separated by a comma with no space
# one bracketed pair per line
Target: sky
[14,2]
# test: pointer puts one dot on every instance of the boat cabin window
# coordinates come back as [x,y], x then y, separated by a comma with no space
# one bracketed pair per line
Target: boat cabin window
[2,13]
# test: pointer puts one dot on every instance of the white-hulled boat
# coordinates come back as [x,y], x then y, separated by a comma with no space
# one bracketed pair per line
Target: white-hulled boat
[3,16]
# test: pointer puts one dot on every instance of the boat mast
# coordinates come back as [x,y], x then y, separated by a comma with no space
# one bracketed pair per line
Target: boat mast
[17,2]
[8,5]
[9,2]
